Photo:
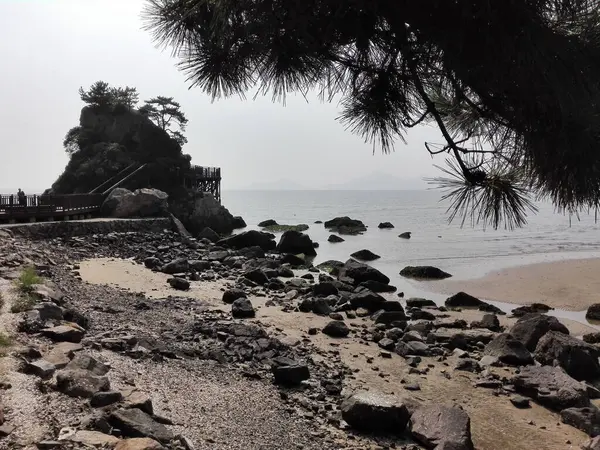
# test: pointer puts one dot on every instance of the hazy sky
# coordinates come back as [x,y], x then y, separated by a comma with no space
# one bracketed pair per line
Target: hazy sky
[49,48]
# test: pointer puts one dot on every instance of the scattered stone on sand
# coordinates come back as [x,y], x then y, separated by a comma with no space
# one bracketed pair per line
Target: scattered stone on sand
[508,350]
[334,238]
[520,402]
[419,303]
[337,329]
[424,273]
[593,312]
[230,295]
[101,399]
[488,321]
[242,309]
[538,308]
[289,372]
[405,235]
[136,423]
[181,284]
[385,225]
[65,333]
[579,359]
[41,368]
[442,427]
[365,255]
[374,412]
[80,383]
[462,299]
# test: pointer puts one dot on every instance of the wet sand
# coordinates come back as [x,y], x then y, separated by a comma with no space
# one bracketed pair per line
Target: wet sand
[572,285]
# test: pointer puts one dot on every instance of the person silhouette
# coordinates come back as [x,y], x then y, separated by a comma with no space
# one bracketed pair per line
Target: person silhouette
[22,197]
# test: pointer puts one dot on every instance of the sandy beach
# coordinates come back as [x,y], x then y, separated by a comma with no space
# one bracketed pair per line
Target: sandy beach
[571,285]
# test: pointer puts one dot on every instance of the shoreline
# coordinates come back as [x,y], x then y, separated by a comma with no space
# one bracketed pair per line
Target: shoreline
[568,284]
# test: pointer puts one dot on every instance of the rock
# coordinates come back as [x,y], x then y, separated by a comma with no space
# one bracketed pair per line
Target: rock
[181,284]
[420,314]
[86,362]
[331,267]
[368,300]
[48,311]
[412,348]
[468,337]
[488,321]
[388,317]
[468,365]
[586,419]
[242,309]
[508,351]
[360,272]
[419,303]
[591,338]
[579,359]
[87,438]
[151,262]
[289,372]
[324,289]
[534,308]
[386,344]
[136,423]
[486,307]
[267,223]
[41,368]
[113,199]
[179,265]
[140,203]
[337,329]
[64,333]
[296,243]
[101,399]
[346,225]
[462,299]
[592,444]
[377,286]
[405,235]
[139,444]
[551,387]
[593,312]
[210,234]
[198,210]
[333,238]
[178,227]
[442,427]
[230,295]
[257,276]
[238,222]
[365,255]
[374,412]
[6,430]
[320,306]
[251,238]
[530,328]
[520,402]
[132,398]
[80,383]
[424,273]
[62,353]
[385,225]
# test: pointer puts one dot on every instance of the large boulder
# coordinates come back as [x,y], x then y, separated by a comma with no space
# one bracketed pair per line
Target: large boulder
[251,238]
[373,412]
[586,419]
[140,203]
[199,210]
[424,273]
[442,427]
[551,387]
[289,372]
[296,243]
[462,299]
[530,328]
[508,351]
[346,225]
[136,423]
[385,225]
[367,299]
[579,359]
[238,222]
[360,272]
[80,383]
[593,312]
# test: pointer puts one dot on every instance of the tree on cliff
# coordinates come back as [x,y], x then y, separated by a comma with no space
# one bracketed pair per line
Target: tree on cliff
[511,84]
[167,114]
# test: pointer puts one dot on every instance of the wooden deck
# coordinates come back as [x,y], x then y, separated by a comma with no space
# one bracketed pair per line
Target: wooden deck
[205,179]
[49,207]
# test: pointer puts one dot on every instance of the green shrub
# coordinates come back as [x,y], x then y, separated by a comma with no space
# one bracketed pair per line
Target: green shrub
[27,279]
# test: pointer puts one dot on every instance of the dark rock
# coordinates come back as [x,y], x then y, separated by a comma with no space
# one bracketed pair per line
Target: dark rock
[41,368]
[151,262]
[368,300]
[360,272]
[488,321]
[251,238]
[424,273]
[210,234]
[462,299]
[289,372]
[285,272]
[80,383]
[442,427]
[419,303]
[136,423]
[64,333]
[257,276]
[337,329]
[593,312]
[530,328]
[419,314]
[81,361]
[242,309]
[324,289]
[377,286]
[586,419]
[459,338]
[392,305]
[199,265]
[468,365]
[101,399]
[373,412]
[267,223]
[238,222]
[579,359]
[331,267]
[535,308]
[181,284]
[180,265]
[296,243]
[520,402]
[385,225]
[48,311]
[551,387]
[592,338]
[334,238]
[230,295]
[365,255]
[388,317]
[412,348]
[293,260]
[487,307]
[508,350]
[405,235]
[386,344]
[346,225]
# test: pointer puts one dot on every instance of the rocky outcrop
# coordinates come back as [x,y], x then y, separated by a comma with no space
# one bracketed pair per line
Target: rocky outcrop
[296,243]
[238,222]
[424,273]
[577,358]
[122,203]
[360,272]
[346,225]
[252,238]
[200,210]
[530,328]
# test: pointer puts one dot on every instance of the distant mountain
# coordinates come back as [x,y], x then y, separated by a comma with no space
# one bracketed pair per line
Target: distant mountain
[279,185]
[379,181]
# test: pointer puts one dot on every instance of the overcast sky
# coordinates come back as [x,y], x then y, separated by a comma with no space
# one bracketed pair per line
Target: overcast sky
[49,48]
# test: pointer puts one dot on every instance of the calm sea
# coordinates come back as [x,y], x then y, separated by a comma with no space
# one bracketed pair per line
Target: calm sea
[464,252]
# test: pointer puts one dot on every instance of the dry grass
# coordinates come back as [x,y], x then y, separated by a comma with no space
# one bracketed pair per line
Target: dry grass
[22,303]
[27,279]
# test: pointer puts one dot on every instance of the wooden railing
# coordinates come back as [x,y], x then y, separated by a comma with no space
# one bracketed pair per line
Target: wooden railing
[44,206]
[207,173]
